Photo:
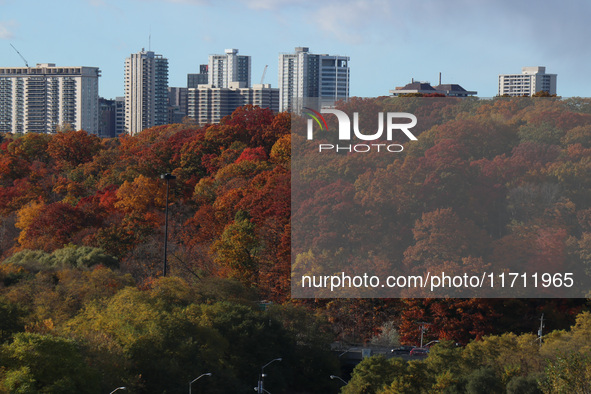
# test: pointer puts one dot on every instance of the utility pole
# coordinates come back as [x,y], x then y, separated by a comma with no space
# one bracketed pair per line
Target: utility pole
[167,177]
[540,330]
[422,325]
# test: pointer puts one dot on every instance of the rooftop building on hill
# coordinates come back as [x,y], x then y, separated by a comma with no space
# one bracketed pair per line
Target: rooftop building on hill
[448,90]
[531,81]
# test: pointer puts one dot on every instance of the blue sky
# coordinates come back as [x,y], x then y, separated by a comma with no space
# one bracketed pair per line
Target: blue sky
[389,42]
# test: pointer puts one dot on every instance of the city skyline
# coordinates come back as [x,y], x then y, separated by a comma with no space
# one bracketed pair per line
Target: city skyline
[389,42]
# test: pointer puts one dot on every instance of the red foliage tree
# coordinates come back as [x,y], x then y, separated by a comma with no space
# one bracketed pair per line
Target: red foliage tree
[72,148]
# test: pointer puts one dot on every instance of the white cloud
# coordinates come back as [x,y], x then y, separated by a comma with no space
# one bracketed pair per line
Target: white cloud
[455,23]
[346,20]
[544,26]
[6,28]
[277,4]
[352,21]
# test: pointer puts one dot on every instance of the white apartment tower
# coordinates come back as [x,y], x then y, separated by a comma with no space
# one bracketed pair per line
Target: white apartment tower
[530,81]
[230,67]
[146,91]
[43,98]
[307,79]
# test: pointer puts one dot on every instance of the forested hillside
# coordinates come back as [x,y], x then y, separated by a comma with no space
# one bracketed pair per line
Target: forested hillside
[84,306]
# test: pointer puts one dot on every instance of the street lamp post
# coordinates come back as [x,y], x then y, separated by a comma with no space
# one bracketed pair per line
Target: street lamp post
[339,378]
[118,388]
[166,177]
[260,388]
[196,379]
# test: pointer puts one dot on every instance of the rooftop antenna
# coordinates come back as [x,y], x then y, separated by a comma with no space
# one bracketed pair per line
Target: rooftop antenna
[25,60]
[440,77]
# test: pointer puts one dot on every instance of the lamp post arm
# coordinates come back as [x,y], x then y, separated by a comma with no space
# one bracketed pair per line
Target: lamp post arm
[261,388]
[277,359]
[197,378]
[339,378]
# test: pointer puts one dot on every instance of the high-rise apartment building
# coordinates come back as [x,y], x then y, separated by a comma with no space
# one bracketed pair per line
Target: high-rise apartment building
[177,104]
[531,80]
[107,114]
[111,117]
[227,68]
[119,116]
[146,91]
[207,104]
[307,79]
[43,98]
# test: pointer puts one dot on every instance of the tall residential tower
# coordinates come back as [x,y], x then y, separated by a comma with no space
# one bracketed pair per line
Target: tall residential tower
[146,91]
[227,88]
[230,67]
[43,98]
[307,79]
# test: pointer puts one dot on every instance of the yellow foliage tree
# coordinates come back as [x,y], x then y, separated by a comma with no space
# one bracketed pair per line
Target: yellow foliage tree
[141,195]
[25,217]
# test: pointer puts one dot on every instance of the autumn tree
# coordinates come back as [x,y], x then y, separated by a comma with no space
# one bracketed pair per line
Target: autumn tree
[72,148]
[52,227]
[443,236]
[237,249]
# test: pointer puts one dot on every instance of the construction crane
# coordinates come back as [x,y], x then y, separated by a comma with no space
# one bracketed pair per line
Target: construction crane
[22,57]
[264,72]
